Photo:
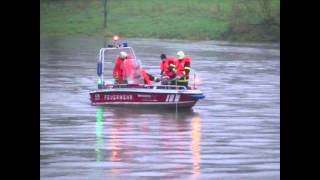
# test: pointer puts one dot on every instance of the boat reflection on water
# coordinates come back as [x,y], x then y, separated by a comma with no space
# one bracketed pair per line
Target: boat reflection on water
[163,136]
[99,137]
[195,145]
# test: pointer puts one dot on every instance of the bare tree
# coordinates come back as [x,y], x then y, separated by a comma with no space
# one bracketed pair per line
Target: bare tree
[266,8]
[105,14]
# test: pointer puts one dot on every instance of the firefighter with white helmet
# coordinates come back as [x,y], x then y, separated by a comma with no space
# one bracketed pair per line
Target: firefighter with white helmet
[183,66]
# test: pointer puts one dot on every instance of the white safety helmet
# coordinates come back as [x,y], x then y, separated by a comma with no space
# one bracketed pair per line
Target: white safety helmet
[180,54]
[123,55]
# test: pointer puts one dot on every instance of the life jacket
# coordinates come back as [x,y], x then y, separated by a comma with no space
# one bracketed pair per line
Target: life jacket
[128,68]
[179,67]
[170,61]
[169,67]
[187,59]
[187,65]
[165,64]
[118,68]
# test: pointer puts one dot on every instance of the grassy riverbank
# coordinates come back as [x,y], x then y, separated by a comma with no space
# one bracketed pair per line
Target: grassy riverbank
[239,20]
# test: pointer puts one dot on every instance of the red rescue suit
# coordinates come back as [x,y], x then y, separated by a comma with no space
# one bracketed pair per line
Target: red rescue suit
[183,69]
[183,66]
[167,66]
[163,66]
[141,74]
[146,77]
[119,69]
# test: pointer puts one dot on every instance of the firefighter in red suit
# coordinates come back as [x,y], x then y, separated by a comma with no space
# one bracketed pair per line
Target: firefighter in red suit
[141,74]
[183,66]
[167,67]
[119,71]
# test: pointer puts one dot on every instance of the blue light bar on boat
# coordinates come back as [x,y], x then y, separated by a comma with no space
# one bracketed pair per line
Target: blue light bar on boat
[124,43]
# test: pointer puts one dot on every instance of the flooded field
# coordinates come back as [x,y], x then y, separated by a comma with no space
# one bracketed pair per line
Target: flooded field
[234,133]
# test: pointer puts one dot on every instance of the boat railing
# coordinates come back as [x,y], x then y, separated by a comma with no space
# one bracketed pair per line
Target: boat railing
[143,86]
[166,87]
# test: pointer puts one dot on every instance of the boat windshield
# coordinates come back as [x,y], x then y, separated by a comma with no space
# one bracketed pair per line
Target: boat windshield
[131,66]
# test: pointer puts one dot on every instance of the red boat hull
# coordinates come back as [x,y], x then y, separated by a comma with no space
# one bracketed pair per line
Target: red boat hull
[164,100]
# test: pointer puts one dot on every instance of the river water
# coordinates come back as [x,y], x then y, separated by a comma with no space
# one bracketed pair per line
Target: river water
[234,133]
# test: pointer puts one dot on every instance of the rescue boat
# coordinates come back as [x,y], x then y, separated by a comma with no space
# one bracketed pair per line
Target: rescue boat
[136,94]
